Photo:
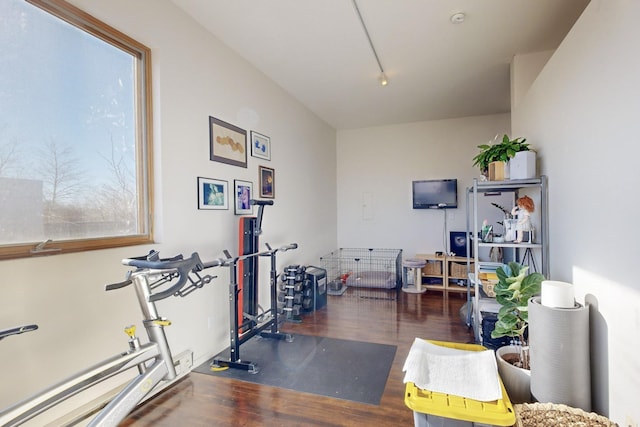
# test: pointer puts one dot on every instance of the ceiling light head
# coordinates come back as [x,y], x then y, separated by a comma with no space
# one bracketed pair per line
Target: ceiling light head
[383,79]
[457,18]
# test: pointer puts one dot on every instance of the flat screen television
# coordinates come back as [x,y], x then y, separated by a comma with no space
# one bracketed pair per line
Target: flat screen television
[435,194]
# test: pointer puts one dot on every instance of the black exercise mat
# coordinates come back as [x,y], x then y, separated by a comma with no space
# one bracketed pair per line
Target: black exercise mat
[350,370]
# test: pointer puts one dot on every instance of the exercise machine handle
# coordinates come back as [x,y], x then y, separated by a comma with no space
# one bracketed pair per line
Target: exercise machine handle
[119,285]
[16,331]
[287,247]
[178,265]
[261,202]
[218,262]
[283,248]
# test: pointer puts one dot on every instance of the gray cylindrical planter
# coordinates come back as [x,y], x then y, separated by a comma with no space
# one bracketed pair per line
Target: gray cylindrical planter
[560,360]
[517,381]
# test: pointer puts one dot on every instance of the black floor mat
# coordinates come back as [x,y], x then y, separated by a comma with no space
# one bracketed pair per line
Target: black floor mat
[350,370]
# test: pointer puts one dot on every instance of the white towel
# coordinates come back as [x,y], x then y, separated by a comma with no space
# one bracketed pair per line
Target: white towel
[469,374]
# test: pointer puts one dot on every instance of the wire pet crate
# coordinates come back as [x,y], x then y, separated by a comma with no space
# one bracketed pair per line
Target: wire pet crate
[362,272]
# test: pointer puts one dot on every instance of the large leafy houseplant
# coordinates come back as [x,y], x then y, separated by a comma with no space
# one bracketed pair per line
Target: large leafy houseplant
[499,151]
[514,289]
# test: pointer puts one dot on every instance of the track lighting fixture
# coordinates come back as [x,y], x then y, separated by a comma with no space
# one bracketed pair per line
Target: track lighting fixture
[382,77]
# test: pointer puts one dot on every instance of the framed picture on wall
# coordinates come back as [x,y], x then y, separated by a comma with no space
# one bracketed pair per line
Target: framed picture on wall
[243,192]
[260,146]
[458,241]
[227,143]
[267,182]
[213,194]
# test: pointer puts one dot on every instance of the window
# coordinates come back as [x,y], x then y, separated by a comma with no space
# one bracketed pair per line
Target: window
[75,132]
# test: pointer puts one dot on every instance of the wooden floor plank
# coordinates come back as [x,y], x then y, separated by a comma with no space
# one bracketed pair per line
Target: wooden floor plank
[204,400]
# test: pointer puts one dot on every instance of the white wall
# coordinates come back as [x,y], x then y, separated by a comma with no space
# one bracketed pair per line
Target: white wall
[379,164]
[523,72]
[195,77]
[582,111]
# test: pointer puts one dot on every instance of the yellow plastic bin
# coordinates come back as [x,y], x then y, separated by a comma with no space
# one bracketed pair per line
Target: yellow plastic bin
[432,409]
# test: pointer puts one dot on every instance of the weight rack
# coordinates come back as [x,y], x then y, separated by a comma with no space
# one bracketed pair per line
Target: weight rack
[291,297]
[242,332]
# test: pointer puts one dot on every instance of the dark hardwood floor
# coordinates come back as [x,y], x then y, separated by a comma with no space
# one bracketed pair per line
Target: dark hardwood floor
[204,400]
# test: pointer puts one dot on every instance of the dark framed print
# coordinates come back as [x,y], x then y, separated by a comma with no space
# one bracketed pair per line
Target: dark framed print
[227,143]
[458,241]
[213,194]
[243,192]
[267,182]
[260,146]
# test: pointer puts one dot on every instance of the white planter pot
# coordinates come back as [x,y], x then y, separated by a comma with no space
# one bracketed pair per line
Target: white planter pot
[517,381]
[523,165]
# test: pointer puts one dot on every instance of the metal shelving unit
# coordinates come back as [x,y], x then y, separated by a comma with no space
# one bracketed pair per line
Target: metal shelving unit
[478,302]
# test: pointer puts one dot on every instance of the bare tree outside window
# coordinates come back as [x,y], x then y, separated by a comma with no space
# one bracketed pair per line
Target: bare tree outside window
[74,115]
[9,157]
[61,175]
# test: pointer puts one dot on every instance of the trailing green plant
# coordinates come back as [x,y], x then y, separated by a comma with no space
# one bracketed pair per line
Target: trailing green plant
[514,289]
[499,152]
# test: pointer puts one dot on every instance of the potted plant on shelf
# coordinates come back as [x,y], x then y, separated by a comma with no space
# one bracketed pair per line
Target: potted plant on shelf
[498,152]
[514,289]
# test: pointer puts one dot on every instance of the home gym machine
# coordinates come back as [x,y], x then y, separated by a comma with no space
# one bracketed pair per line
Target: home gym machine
[245,319]
[249,231]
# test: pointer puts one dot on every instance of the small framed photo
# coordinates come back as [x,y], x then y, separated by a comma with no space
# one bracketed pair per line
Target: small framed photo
[260,146]
[227,143]
[243,194]
[267,182]
[213,194]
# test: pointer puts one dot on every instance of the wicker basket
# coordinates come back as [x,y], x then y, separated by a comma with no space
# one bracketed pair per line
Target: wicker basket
[432,268]
[551,414]
[458,270]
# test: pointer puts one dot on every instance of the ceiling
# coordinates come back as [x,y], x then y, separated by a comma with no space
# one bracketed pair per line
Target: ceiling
[318,51]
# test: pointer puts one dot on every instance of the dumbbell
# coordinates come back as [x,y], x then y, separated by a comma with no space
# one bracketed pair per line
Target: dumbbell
[296,310]
[282,297]
[287,277]
[307,303]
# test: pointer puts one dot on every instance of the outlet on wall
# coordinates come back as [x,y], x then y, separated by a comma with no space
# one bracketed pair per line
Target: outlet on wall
[183,362]
[630,422]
